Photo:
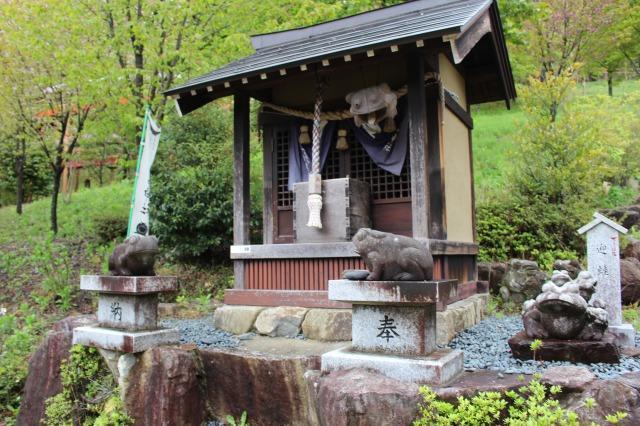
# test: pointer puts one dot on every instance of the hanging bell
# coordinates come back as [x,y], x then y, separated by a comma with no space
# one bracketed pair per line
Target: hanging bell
[304,138]
[389,125]
[342,144]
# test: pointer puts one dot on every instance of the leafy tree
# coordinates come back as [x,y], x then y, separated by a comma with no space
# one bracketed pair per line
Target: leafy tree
[562,30]
[53,73]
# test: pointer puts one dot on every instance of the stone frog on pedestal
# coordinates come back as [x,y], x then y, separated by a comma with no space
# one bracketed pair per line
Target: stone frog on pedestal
[136,256]
[566,309]
[390,257]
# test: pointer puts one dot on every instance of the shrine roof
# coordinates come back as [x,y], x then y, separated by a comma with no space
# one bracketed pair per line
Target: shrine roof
[394,25]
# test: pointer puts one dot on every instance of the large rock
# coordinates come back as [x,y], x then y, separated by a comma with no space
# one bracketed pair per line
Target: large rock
[165,387]
[283,321]
[632,249]
[630,280]
[611,396]
[270,388]
[627,216]
[361,397]
[236,319]
[522,281]
[327,324]
[578,351]
[493,273]
[572,267]
[568,377]
[43,380]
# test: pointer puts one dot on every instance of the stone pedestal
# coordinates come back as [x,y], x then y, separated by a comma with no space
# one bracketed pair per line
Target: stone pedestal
[127,313]
[625,334]
[394,330]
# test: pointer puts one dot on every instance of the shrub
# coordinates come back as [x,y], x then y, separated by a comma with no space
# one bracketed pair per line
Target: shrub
[191,205]
[18,337]
[538,232]
[89,395]
[109,228]
[534,404]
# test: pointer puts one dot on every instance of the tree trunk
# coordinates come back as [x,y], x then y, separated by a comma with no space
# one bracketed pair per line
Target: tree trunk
[20,160]
[57,174]
[610,83]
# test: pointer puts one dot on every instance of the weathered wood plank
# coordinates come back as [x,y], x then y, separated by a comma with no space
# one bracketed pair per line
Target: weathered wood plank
[417,144]
[241,199]
[437,206]
[268,185]
[458,111]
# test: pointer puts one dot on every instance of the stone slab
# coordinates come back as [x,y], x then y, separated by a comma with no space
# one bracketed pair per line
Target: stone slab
[327,325]
[578,351]
[412,293]
[409,330]
[625,335]
[128,312]
[568,377]
[236,319]
[127,285]
[124,341]
[437,368]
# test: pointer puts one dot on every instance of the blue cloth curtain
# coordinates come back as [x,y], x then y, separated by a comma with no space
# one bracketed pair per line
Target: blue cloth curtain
[387,150]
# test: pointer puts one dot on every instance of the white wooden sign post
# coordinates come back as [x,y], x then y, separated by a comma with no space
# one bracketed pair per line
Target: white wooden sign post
[603,258]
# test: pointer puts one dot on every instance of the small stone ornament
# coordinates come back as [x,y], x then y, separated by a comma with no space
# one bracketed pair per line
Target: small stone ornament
[136,256]
[390,257]
[566,309]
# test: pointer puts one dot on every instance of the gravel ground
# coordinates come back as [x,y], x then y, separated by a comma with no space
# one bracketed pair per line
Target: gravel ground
[485,347]
[201,332]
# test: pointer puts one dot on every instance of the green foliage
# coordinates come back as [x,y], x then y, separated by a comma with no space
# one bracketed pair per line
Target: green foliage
[53,262]
[508,229]
[631,314]
[89,395]
[109,228]
[242,421]
[567,148]
[533,404]
[18,335]
[192,199]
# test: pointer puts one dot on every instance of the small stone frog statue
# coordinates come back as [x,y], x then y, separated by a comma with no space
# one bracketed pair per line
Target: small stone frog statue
[391,257]
[136,256]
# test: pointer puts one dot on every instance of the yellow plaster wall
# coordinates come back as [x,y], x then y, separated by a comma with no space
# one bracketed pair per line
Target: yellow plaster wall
[452,79]
[457,179]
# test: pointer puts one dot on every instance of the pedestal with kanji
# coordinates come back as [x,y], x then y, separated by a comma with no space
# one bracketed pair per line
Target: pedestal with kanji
[394,330]
[127,313]
[603,258]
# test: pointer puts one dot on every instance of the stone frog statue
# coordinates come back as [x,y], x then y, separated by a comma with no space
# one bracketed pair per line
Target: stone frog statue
[566,309]
[391,257]
[373,105]
[136,256]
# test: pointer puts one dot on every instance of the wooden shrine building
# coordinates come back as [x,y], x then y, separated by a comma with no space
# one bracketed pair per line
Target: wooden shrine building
[431,60]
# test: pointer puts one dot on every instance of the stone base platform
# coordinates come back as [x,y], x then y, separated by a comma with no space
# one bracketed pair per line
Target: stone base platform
[587,352]
[437,368]
[124,341]
[625,335]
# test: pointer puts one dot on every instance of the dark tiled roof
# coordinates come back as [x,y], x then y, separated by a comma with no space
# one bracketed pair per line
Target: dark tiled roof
[420,19]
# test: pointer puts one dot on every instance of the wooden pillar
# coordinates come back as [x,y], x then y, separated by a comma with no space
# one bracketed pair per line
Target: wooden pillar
[417,145]
[435,114]
[241,211]
[268,193]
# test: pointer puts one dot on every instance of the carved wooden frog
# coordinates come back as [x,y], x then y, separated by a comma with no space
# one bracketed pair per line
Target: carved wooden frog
[136,256]
[391,257]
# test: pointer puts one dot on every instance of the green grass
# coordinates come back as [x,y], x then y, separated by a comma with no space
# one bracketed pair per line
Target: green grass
[75,215]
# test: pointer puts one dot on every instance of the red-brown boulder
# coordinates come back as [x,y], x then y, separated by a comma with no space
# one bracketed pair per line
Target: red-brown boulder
[164,387]
[43,380]
[270,388]
[362,397]
[630,280]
